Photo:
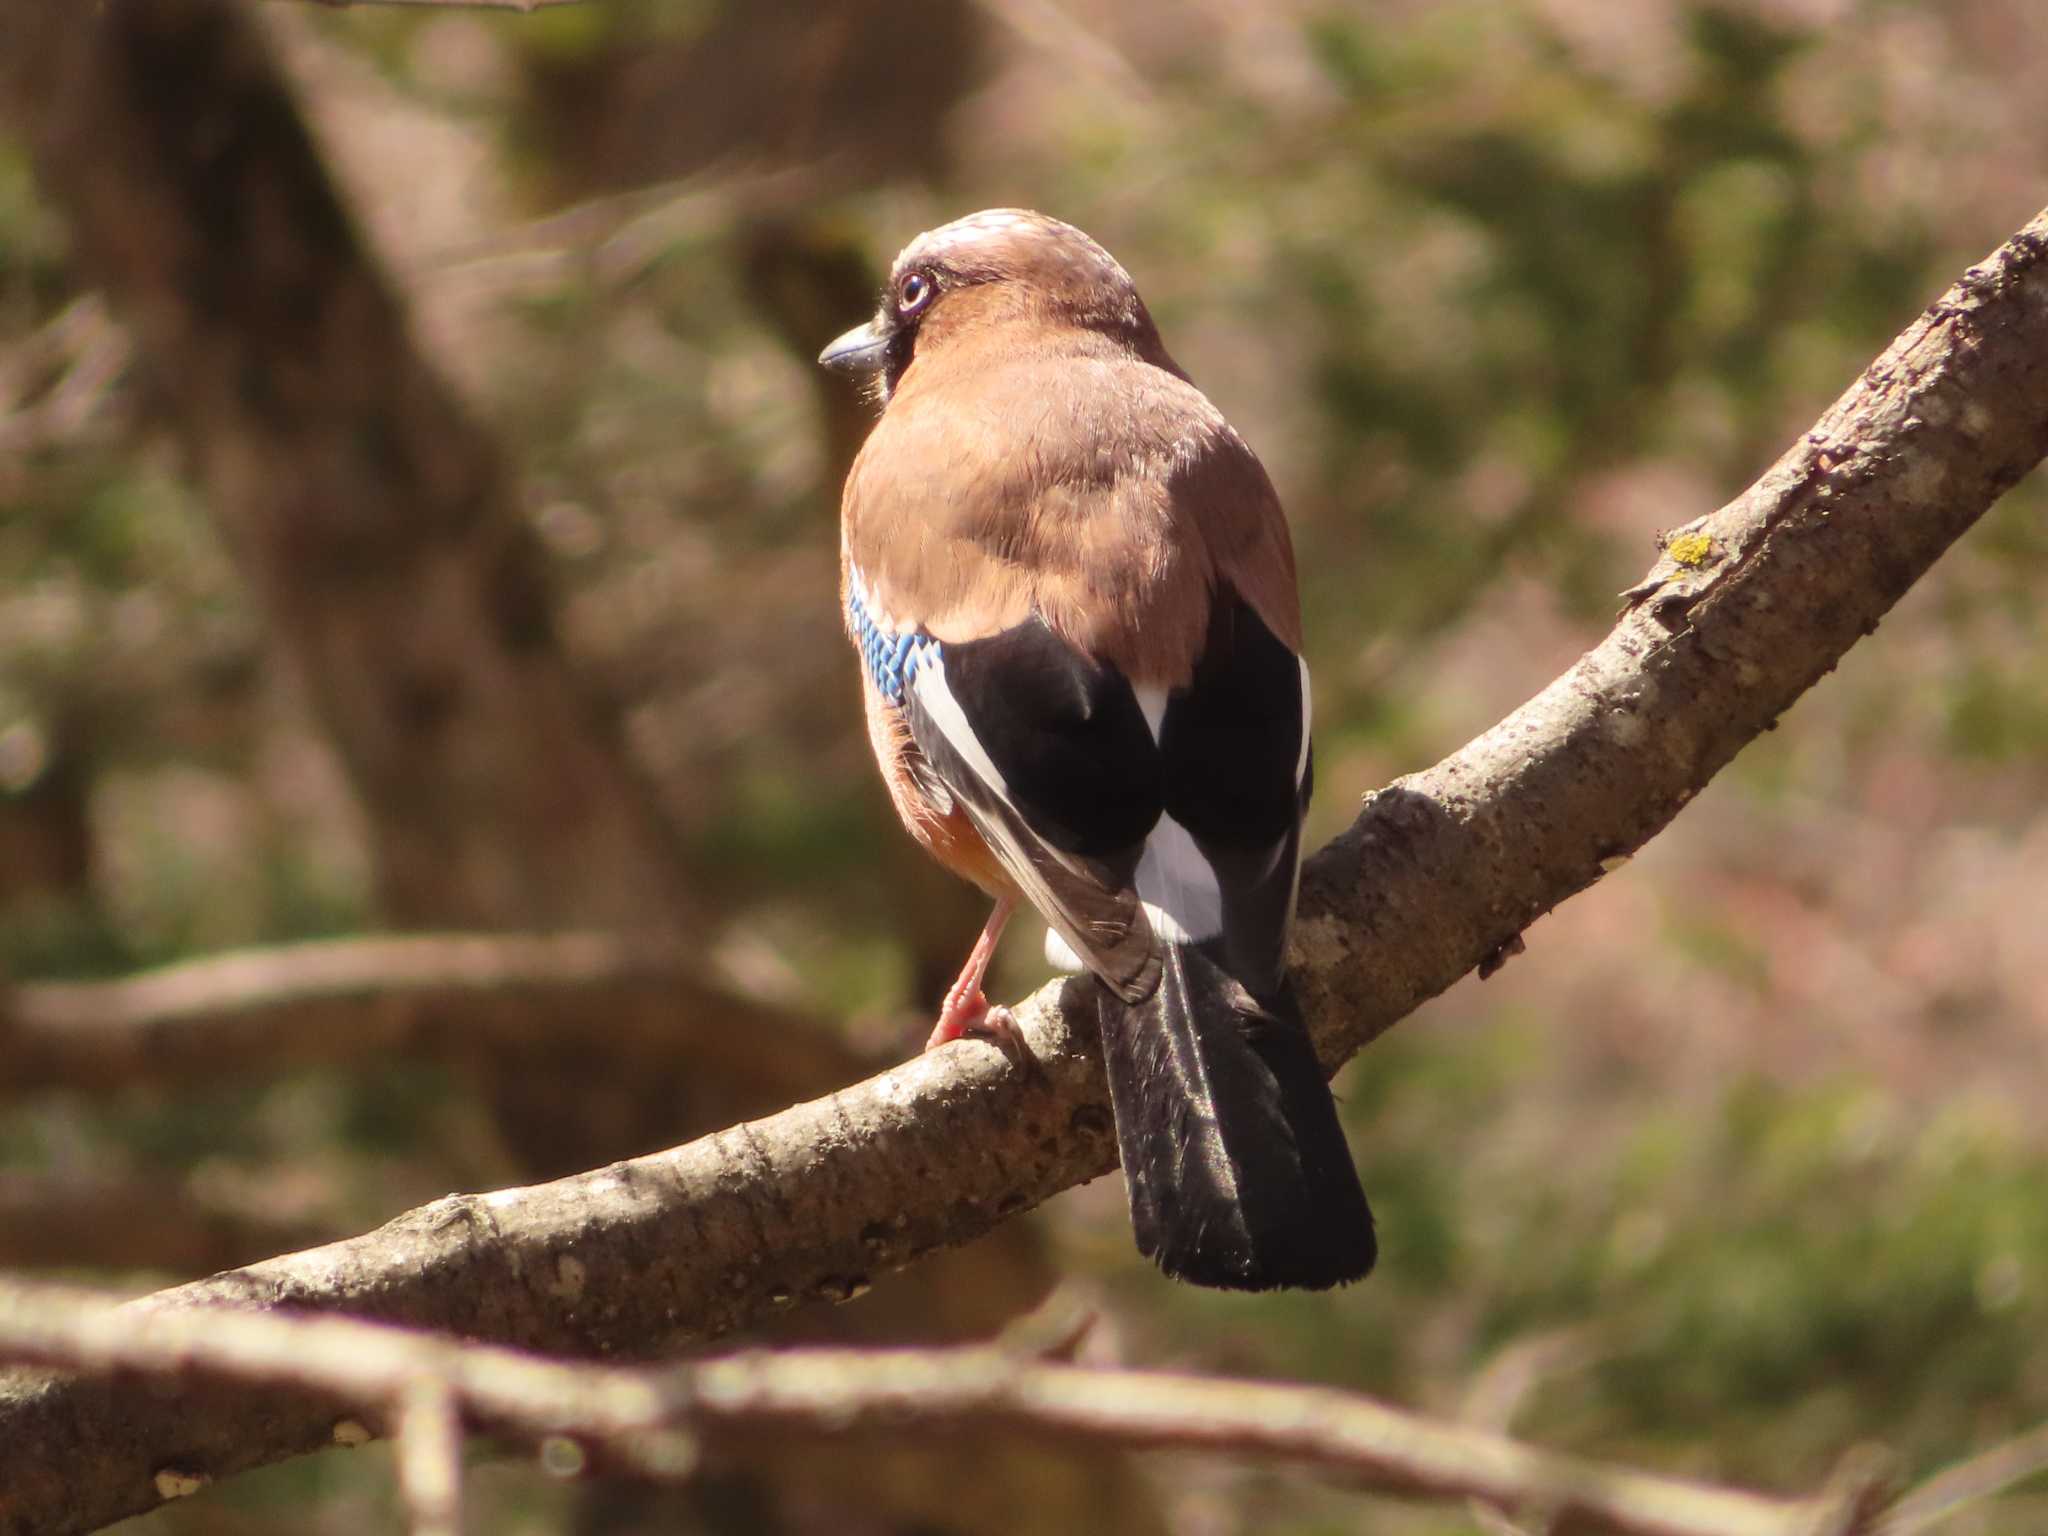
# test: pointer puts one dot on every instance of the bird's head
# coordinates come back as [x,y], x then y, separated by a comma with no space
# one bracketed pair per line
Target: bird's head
[1004,269]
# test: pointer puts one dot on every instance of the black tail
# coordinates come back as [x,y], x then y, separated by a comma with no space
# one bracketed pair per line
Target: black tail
[1237,1169]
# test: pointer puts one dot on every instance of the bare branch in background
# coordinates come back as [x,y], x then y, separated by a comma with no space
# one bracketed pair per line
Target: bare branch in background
[429,1428]
[1055,29]
[1744,611]
[1497,1393]
[651,1419]
[420,997]
[1983,1476]
[615,236]
[462,5]
[55,382]
[53,349]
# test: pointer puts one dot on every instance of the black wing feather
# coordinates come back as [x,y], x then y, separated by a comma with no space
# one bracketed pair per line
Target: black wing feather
[1066,734]
[1233,1156]
[1231,746]
[1081,786]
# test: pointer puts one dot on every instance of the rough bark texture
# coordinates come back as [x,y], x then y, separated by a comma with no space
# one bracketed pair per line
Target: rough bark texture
[1441,868]
[374,519]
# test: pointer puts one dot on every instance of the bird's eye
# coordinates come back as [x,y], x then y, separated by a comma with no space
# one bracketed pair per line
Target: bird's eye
[914,290]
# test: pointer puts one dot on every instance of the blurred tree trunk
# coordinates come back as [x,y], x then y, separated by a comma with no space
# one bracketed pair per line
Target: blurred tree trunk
[375,521]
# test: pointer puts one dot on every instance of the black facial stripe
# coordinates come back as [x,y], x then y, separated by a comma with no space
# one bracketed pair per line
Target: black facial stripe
[902,342]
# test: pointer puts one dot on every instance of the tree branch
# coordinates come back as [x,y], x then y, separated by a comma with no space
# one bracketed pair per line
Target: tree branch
[1983,1476]
[428,996]
[653,1420]
[1738,618]
[471,5]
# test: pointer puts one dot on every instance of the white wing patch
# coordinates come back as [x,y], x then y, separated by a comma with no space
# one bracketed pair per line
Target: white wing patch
[1059,954]
[1301,761]
[1182,897]
[1178,887]
[945,712]
[1152,703]
[1300,778]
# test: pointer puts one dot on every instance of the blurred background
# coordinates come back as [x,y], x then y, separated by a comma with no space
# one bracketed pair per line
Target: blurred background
[1743,1163]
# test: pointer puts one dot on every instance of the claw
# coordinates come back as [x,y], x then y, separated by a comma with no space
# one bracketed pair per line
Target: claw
[967,1012]
[980,1019]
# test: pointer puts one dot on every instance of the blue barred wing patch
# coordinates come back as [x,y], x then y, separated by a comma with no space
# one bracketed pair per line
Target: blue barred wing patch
[891,659]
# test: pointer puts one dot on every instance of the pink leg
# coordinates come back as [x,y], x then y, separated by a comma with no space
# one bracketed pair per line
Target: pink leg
[967,1011]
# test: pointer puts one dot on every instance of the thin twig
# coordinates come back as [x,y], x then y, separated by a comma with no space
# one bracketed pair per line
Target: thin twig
[1497,1394]
[467,5]
[89,353]
[359,969]
[651,1417]
[430,1457]
[57,341]
[1858,1492]
[1048,25]
[336,1001]
[1981,1477]
[615,236]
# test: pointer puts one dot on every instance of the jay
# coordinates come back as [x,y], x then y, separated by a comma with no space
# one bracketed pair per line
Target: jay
[1073,594]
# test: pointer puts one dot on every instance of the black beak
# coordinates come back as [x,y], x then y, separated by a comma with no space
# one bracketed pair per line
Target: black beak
[864,349]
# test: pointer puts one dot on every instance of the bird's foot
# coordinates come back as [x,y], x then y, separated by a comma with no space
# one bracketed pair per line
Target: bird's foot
[974,1017]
